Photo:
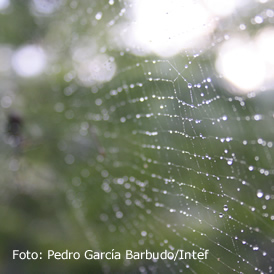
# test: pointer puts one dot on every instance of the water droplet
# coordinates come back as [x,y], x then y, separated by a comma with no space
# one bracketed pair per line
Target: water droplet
[144,233]
[122,119]
[230,162]
[119,214]
[6,102]
[260,194]
[221,215]
[69,159]
[257,117]
[258,19]
[98,15]
[242,27]
[98,102]
[225,208]
[189,85]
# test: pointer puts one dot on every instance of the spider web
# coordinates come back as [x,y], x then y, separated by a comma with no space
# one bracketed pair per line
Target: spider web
[164,155]
[187,166]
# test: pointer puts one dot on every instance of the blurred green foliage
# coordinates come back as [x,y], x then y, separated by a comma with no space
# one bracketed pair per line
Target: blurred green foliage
[60,191]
